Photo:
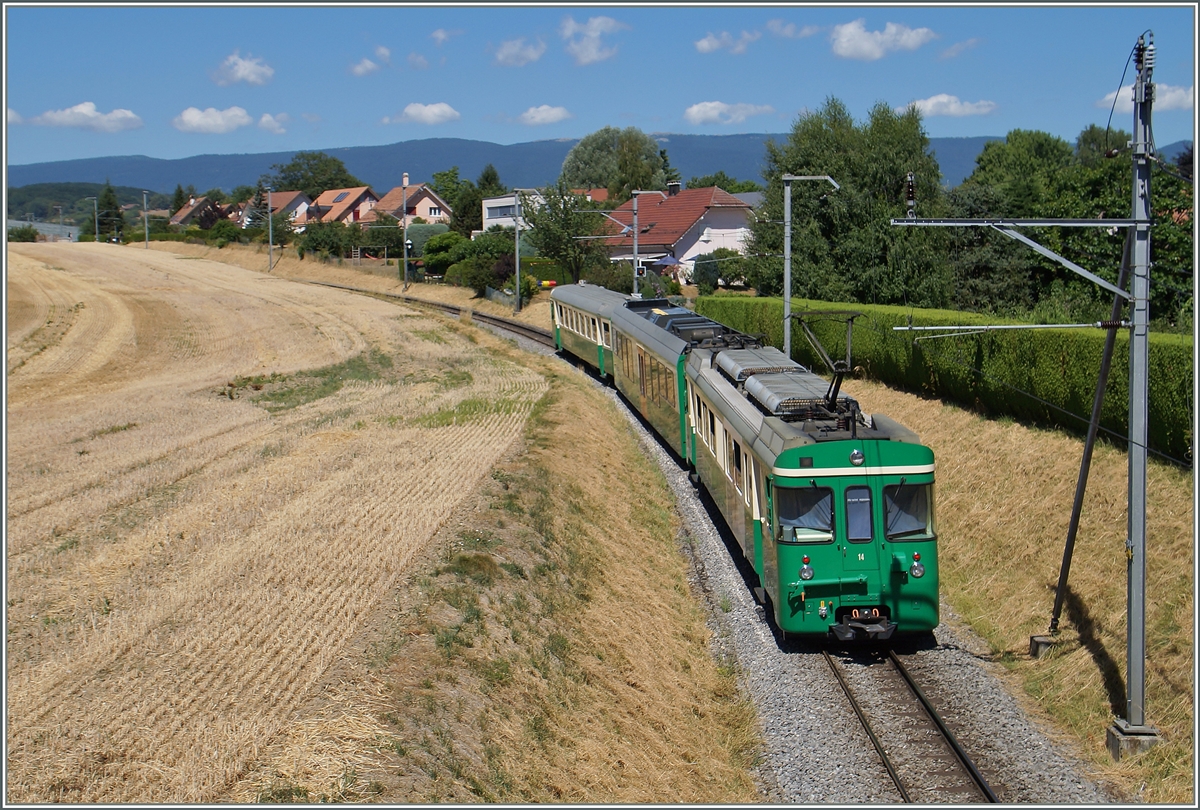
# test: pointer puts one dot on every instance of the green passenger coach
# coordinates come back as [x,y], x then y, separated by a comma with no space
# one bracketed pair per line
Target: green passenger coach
[833,508]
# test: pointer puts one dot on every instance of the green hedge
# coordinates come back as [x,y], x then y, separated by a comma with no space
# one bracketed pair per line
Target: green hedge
[1059,366]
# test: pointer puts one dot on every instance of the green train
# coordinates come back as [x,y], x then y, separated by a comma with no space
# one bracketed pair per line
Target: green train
[832,507]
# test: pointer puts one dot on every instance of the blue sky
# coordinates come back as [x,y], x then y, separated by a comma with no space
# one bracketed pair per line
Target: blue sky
[174,80]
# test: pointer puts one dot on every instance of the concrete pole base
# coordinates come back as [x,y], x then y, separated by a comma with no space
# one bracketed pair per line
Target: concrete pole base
[1125,740]
[1040,645]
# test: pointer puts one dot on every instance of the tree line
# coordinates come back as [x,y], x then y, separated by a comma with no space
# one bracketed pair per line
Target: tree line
[845,249]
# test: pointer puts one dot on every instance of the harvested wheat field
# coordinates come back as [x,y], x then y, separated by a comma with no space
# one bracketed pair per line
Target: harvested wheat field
[184,565]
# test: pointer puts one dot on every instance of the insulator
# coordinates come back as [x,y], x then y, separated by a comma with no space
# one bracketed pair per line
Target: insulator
[1112,324]
[1148,60]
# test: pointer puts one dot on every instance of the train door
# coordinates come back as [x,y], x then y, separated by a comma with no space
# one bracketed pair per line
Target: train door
[860,551]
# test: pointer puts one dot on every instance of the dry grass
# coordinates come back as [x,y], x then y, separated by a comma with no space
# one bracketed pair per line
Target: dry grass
[183,568]
[549,648]
[368,275]
[1004,502]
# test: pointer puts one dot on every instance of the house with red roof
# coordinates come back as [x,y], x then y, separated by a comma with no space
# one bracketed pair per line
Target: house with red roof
[345,205]
[406,204]
[681,224]
[293,203]
[201,211]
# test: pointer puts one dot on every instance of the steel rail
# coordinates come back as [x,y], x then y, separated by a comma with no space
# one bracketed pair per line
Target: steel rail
[862,718]
[959,751]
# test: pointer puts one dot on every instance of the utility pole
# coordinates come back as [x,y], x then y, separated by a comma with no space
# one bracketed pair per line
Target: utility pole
[1131,734]
[404,223]
[787,252]
[636,194]
[517,249]
[146,217]
[60,225]
[270,234]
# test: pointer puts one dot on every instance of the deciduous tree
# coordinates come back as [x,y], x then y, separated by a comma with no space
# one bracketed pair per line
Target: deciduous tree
[620,160]
[312,173]
[722,180]
[843,245]
[557,225]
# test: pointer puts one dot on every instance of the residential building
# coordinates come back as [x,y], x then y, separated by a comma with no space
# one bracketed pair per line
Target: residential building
[682,224]
[201,211]
[502,210]
[293,203]
[345,205]
[406,204]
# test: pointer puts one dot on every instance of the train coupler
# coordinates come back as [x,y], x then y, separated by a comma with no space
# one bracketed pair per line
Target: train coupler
[873,629]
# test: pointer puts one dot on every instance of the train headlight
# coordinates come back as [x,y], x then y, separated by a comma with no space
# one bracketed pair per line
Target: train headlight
[917,571]
[857,457]
[806,573]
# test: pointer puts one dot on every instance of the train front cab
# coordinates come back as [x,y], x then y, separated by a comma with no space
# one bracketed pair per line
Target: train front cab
[855,545]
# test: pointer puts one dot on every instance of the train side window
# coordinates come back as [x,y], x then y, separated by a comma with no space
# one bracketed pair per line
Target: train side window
[607,334]
[805,514]
[908,512]
[858,514]
[735,471]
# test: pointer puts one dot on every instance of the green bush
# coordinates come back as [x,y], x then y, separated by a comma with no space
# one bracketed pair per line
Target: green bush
[23,233]
[1058,368]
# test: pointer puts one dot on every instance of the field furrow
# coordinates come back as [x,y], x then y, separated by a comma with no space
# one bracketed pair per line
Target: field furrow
[183,586]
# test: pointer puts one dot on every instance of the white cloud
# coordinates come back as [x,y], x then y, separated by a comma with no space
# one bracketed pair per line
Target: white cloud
[1166,97]
[718,112]
[545,114]
[789,30]
[211,120]
[725,40]
[14,117]
[583,39]
[86,116]
[274,123]
[514,52]
[945,104]
[417,62]
[311,118]
[365,67]
[383,54]
[441,36]
[853,41]
[236,69]
[958,47]
[438,113]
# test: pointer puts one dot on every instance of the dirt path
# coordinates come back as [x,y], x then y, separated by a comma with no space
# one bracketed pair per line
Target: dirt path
[184,566]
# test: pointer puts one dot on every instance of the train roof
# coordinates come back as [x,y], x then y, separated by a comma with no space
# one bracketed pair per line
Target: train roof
[590,298]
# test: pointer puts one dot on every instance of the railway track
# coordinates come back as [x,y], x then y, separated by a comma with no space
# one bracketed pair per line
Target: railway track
[924,759]
[534,333]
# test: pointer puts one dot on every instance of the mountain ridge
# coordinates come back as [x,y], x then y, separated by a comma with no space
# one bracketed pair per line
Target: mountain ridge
[521,165]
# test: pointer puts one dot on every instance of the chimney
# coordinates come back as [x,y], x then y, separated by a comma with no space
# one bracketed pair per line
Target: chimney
[673,188]
[192,201]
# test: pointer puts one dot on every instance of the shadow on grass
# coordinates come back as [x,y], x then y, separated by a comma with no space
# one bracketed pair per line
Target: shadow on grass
[1114,685]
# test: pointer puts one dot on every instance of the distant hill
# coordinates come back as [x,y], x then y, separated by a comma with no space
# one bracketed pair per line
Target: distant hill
[523,165]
